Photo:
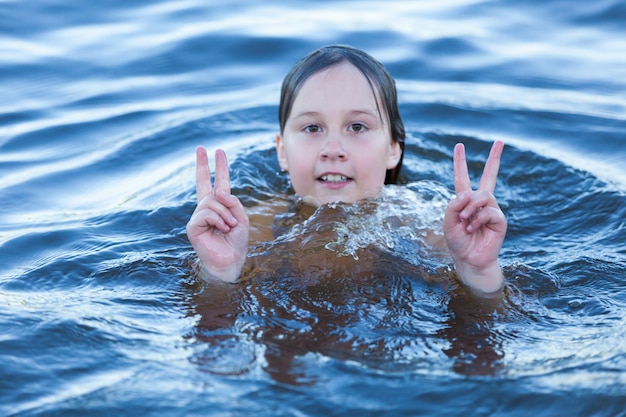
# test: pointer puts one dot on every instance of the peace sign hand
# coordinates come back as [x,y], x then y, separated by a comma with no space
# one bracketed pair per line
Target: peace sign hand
[474,225]
[219,227]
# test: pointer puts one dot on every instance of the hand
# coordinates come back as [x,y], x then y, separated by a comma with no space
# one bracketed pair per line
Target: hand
[218,229]
[474,225]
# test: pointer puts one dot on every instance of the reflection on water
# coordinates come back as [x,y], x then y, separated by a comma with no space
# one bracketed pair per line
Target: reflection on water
[392,324]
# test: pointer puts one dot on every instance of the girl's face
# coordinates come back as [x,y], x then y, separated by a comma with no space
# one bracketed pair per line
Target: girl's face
[335,144]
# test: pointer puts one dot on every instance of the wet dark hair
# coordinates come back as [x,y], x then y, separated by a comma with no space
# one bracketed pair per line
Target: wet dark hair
[382,84]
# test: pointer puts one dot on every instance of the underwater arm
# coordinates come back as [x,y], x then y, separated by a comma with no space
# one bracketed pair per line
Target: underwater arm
[219,227]
[475,226]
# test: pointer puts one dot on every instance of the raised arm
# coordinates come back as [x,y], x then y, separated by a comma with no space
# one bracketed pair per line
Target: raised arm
[218,229]
[474,225]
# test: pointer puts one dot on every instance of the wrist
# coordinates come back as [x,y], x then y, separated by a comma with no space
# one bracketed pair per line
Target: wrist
[229,274]
[485,282]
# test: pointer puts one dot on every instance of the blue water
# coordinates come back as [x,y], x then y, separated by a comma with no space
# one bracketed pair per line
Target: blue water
[101,107]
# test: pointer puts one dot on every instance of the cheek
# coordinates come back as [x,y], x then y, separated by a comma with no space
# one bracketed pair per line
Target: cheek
[299,167]
[375,167]
[374,157]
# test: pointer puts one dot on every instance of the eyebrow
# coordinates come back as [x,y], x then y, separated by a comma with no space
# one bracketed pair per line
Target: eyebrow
[367,112]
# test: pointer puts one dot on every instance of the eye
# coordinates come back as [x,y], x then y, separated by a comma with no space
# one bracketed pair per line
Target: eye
[312,129]
[357,127]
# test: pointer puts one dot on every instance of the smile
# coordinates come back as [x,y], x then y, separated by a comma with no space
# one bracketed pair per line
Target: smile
[334,178]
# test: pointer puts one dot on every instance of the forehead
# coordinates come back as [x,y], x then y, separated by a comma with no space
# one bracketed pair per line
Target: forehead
[342,81]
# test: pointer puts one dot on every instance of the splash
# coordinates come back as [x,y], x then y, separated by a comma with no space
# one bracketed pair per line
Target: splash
[402,221]
[399,216]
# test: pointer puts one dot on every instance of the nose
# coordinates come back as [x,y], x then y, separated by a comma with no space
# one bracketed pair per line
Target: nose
[333,149]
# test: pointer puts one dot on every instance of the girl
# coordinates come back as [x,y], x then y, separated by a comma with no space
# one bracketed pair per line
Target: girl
[342,139]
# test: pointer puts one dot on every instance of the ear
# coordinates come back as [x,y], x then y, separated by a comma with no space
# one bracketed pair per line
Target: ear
[281,153]
[395,152]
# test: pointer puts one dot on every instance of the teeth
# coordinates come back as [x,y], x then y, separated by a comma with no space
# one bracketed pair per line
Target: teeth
[334,178]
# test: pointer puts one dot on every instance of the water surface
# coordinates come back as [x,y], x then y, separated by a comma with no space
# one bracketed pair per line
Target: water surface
[101,312]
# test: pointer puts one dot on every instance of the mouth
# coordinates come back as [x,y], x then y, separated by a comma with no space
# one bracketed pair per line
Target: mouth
[334,178]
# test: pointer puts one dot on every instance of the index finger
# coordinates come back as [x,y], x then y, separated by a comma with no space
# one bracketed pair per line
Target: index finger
[461,176]
[203,174]
[490,172]
[222,176]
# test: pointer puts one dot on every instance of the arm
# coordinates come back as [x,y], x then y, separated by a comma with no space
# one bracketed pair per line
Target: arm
[219,227]
[474,226]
